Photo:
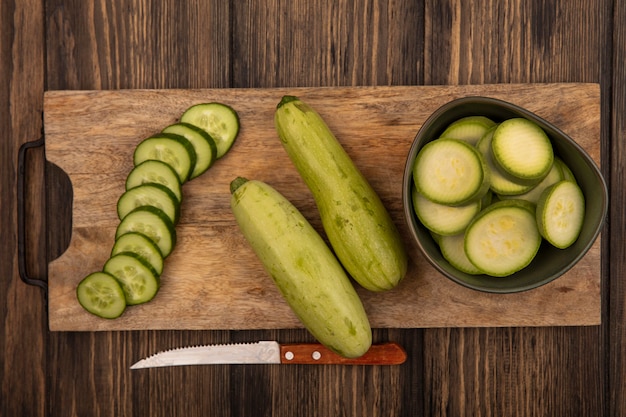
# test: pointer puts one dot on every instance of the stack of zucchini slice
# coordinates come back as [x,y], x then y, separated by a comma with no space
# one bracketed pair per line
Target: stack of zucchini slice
[149,209]
[490,193]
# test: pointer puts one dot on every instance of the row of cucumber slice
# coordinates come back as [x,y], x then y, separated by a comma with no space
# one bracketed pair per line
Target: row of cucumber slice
[491,192]
[149,209]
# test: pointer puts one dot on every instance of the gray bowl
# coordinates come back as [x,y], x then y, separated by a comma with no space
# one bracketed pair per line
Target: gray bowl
[550,262]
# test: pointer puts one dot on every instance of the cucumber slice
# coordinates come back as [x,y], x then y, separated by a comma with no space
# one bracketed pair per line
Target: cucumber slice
[147,194]
[443,219]
[152,223]
[137,278]
[174,150]
[503,238]
[152,171]
[555,175]
[101,294]
[469,129]
[142,246]
[453,251]
[500,183]
[219,120]
[202,142]
[450,171]
[522,149]
[560,213]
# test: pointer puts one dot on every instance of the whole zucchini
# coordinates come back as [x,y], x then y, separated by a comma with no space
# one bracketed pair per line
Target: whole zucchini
[355,220]
[303,267]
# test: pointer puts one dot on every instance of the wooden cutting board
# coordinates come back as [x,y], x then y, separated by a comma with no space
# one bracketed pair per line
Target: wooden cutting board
[213,280]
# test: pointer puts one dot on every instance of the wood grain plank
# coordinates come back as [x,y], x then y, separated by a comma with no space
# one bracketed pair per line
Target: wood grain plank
[124,44]
[22,307]
[615,323]
[212,280]
[516,371]
[325,43]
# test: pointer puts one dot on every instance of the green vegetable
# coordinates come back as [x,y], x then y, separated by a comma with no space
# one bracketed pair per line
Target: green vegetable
[451,171]
[149,209]
[219,120]
[522,149]
[138,279]
[203,144]
[469,129]
[304,269]
[101,294]
[533,195]
[153,171]
[561,213]
[149,194]
[174,150]
[355,220]
[503,238]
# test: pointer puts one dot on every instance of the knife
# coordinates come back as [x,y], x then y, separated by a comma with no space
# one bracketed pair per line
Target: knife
[270,352]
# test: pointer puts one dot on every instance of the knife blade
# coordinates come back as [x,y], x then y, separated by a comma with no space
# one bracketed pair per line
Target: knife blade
[270,352]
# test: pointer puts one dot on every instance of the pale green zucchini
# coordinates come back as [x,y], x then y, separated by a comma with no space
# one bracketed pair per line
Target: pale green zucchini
[561,213]
[303,267]
[355,220]
[469,129]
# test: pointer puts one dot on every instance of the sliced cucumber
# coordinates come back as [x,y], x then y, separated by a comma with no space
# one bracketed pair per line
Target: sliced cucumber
[153,223]
[219,120]
[142,246]
[450,171]
[503,238]
[153,171]
[174,150]
[453,250]
[148,194]
[560,213]
[101,294]
[137,278]
[443,219]
[522,149]
[469,129]
[203,144]
[500,183]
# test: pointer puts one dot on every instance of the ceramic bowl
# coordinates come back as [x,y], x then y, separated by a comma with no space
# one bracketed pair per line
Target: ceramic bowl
[550,262]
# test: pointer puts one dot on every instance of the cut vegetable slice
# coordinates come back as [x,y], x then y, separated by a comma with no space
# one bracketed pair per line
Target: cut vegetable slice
[155,195]
[101,294]
[142,246]
[174,150]
[219,120]
[153,223]
[566,172]
[202,142]
[152,171]
[469,129]
[503,238]
[555,175]
[443,219]
[522,149]
[137,278]
[453,250]
[500,183]
[450,171]
[560,213]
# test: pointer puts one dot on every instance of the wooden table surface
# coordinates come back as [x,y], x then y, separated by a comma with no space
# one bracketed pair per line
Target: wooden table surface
[139,44]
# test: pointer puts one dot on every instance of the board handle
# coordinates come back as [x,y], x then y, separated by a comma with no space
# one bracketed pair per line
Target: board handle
[21,216]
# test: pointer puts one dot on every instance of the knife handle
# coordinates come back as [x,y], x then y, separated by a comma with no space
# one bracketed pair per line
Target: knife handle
[315,353]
